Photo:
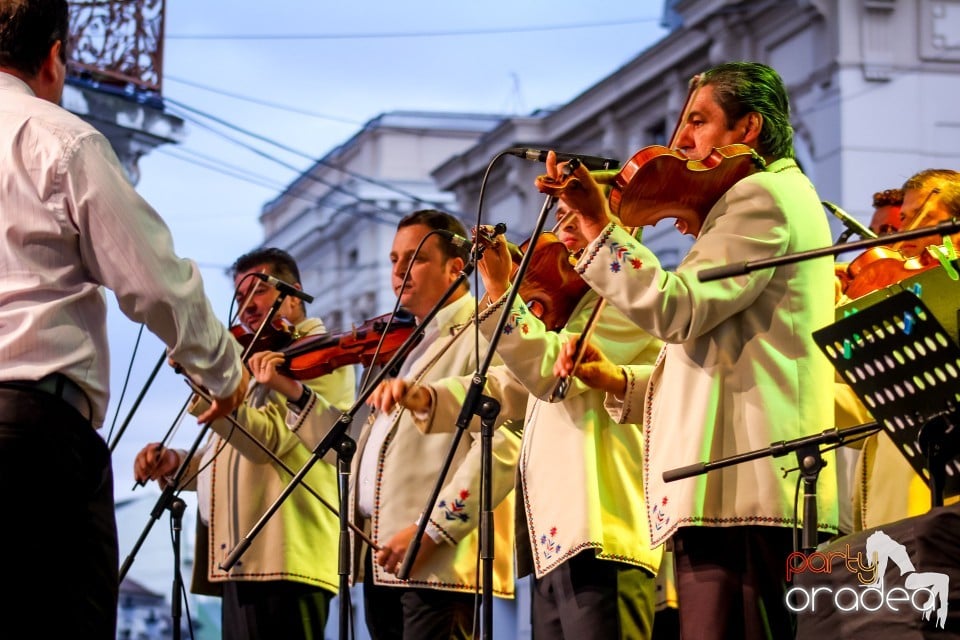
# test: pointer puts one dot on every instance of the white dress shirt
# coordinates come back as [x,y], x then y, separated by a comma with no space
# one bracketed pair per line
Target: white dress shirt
[72,224]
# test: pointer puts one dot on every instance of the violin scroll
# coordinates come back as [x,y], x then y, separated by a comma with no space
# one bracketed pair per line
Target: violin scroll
[551,186]
[272,338]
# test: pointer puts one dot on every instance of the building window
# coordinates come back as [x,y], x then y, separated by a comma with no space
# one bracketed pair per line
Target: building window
[657,134]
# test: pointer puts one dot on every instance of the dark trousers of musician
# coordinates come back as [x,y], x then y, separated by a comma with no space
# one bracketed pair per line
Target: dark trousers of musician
[274,609]
[586,597]
[59,534]
[736,578]
[397,613]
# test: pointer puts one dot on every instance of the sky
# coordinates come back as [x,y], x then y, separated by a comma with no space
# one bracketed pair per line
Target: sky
[308,75]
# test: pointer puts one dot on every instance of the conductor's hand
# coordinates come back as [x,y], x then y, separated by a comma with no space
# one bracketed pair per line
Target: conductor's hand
[225,405]
[155,462]
[594,369]
[583,194]
[391,392]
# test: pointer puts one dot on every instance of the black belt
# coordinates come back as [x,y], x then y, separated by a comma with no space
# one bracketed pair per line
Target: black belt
[59,385]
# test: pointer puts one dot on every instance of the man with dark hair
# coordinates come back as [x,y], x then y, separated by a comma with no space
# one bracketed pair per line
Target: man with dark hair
[72,224]
[396,467]
[888,489]
[886,211]
[740,368]
[283,583]
[582,529]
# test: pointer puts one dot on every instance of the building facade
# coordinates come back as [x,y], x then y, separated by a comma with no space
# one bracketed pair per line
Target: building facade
[338,218]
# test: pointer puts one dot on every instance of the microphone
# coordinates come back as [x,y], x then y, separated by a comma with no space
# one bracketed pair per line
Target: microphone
[592,163]
[851,223]
[284,287]
[462,243]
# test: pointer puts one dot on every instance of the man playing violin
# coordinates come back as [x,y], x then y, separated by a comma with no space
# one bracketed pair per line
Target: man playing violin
[740,369]
[283,583]
[586,538]
[930,197]
[396,467]
[888,489]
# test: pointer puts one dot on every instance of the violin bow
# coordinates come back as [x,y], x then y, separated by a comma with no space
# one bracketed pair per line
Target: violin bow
[563,384]
[175,425]
[236,424]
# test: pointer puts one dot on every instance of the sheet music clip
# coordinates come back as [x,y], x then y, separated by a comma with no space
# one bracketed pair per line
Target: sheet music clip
[905,368]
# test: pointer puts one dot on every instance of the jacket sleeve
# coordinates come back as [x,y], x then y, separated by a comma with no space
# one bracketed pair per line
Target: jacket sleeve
[128,248]
[749,223]
[447,396]
[458,504]
[629,408]
[529,350]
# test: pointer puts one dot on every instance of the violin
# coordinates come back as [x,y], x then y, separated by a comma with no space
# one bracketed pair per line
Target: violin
[880,267]
[375,341]
[551,286]
[658,182]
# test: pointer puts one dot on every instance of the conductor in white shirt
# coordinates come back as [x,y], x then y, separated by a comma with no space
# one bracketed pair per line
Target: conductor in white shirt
[70,225]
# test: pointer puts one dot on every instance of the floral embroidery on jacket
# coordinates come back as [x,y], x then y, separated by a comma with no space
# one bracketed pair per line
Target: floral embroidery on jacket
[549,546]
[660,518]
[517,320]
[621,254]
[456,509]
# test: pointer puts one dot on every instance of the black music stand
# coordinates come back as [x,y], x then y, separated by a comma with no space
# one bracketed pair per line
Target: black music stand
[905,368]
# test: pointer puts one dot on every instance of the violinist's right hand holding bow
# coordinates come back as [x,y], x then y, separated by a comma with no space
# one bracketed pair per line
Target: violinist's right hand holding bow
[395,391]
[580,191]
[155,462]
[594,369]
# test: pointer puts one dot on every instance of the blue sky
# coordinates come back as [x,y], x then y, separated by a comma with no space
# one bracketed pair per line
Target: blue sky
[494,57]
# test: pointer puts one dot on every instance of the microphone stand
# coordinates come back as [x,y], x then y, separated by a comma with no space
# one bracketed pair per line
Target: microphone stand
[138,400]
[810,462]
[168,499]
[177,507]
[487,409]
[741,268]
[337,438]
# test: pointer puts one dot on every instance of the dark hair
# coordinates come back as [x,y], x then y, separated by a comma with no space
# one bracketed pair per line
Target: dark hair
[281,264]
[888,197]
[740,88]
[945,181]
[440,221]
[28,28]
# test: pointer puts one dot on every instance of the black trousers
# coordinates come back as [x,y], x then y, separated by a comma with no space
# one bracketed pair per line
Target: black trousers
[274,609]
[401,613]
[731,582]
[586,597]
[59,531]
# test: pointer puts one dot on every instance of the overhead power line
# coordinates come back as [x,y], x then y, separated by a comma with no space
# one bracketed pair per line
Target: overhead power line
[265,103]
[408,34]
[257,136]
[264,154]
